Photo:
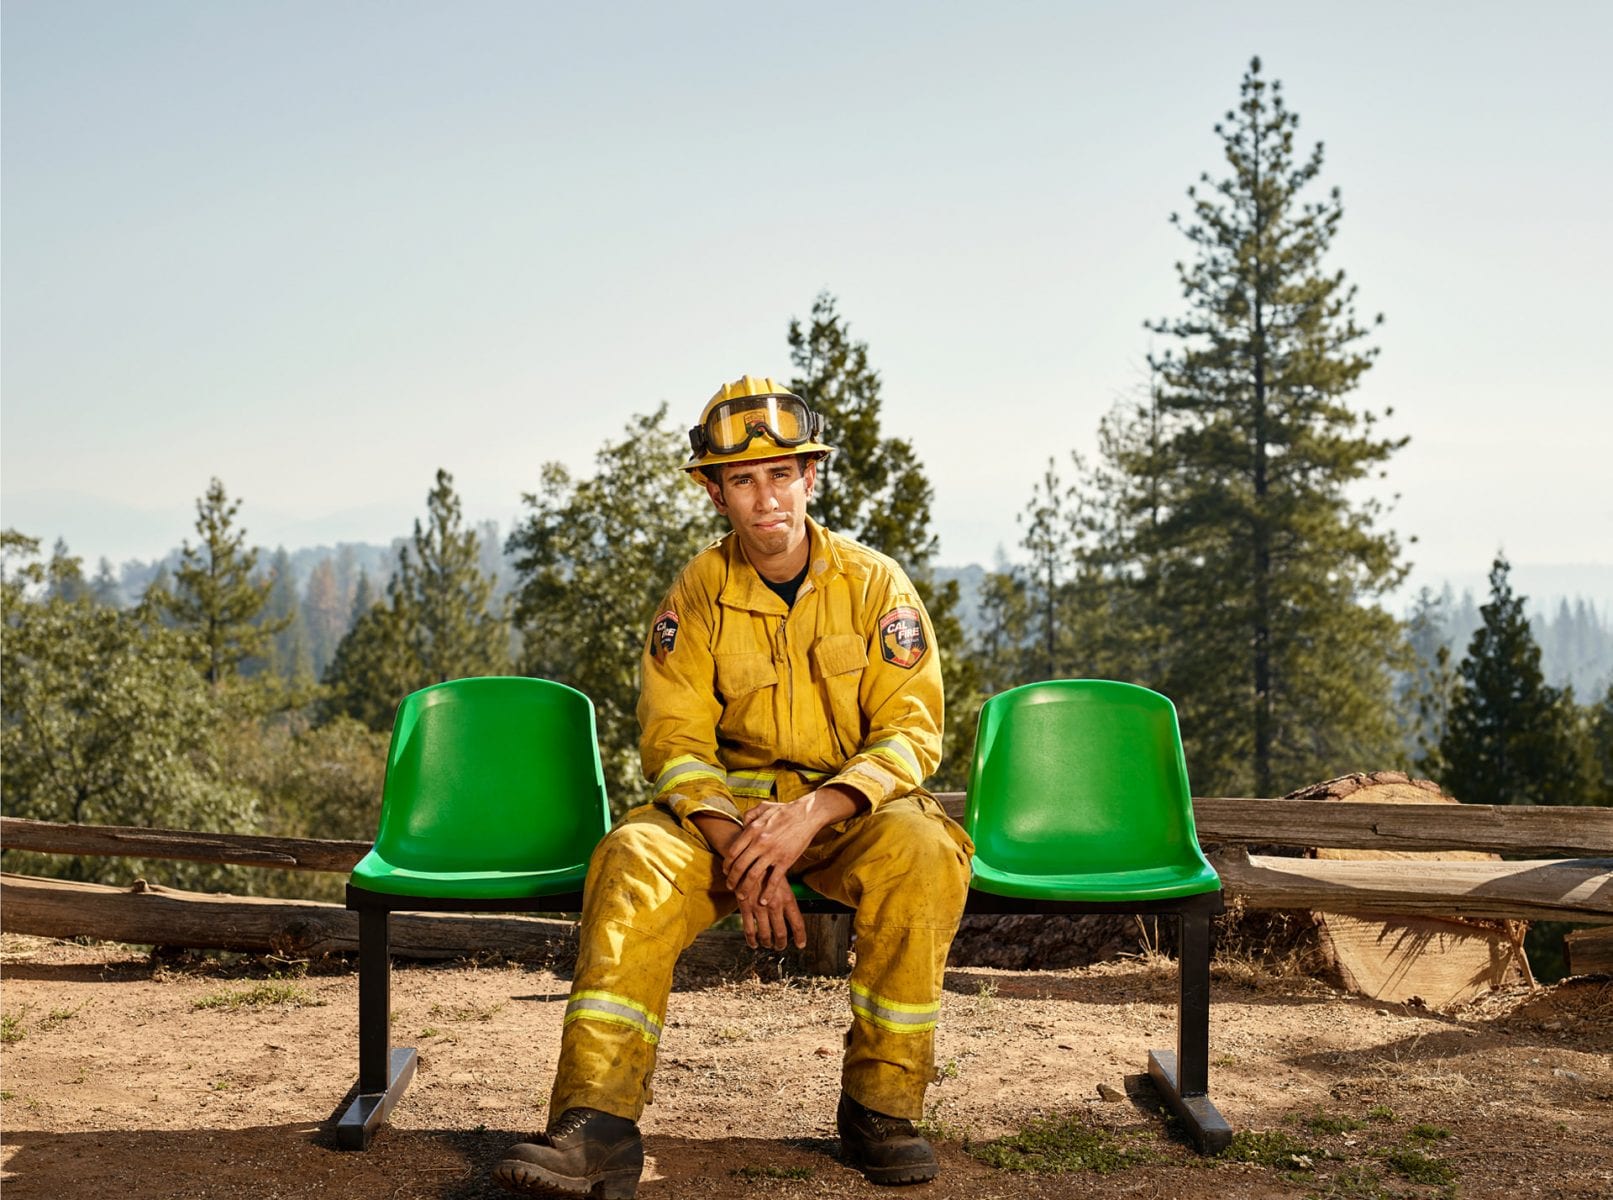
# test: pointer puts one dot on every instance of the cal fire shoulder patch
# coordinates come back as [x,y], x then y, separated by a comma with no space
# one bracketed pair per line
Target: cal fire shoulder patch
[901,636]
[664,635]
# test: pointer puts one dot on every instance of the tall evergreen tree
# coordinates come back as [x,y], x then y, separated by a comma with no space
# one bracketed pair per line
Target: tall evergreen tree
[1270,571]
[1601,750]
[437,623]
[1510,737]
[444,599]
[214,594]
[592,558]
[65,575]
[875,490]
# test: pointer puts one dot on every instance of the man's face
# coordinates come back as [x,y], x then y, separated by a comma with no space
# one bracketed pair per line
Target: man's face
[766,501]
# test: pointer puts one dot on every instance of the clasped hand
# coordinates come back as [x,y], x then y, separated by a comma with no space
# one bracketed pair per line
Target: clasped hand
[756,863]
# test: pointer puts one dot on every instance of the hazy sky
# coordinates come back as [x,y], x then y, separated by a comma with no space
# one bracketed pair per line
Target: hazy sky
[321,249]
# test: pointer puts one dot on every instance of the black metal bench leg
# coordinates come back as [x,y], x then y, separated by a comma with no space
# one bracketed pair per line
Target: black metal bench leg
[383,1073]
[1183,1078]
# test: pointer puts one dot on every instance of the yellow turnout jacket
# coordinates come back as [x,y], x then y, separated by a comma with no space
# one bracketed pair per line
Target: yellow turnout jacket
[744,699]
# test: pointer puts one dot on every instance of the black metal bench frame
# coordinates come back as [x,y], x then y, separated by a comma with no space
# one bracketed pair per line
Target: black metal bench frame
[1182,1077]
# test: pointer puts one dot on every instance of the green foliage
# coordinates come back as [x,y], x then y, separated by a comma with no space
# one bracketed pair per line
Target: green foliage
[1419,1167]
[1599,749]
[106,720]
[1280,658]
[1062,1146]
[593,557]
[1511,738]
[874,489]
[1327,1123]
[771,1172]
[439,621]
[214,595]
[271,993]
[312,781]
[12,1028]
[1269,1148]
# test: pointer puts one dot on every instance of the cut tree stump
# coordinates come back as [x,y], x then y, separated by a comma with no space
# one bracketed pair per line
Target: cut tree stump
[1441,961]
[1590,951]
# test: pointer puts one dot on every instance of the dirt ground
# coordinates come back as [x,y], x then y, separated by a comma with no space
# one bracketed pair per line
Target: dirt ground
[129,1079]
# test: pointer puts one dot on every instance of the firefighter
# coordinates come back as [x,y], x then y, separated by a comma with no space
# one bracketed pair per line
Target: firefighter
[790,711]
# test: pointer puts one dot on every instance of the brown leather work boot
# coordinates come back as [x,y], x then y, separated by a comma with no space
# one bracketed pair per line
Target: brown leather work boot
[584,1152]
[885,1149]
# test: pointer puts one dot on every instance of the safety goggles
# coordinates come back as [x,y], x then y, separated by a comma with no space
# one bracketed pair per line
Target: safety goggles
[731,424]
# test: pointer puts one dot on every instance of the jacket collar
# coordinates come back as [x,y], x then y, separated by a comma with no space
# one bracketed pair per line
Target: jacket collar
[744,587]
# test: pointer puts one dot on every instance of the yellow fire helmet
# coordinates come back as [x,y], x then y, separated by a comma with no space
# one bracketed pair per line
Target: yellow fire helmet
[750,419]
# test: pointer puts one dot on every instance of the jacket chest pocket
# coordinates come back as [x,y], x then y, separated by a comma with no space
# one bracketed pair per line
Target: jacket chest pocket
[838,661]
[748,681]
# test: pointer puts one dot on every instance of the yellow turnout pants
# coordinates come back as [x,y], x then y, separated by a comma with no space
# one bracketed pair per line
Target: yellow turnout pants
[653,886]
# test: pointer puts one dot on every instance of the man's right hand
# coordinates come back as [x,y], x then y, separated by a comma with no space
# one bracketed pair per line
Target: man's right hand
[768,915]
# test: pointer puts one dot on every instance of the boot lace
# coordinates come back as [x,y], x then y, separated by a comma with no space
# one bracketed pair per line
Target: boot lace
[889,1127]
[570,1121]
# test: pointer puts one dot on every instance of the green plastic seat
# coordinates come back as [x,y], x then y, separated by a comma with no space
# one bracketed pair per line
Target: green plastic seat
[493,791]
[1078,792]
[494,801]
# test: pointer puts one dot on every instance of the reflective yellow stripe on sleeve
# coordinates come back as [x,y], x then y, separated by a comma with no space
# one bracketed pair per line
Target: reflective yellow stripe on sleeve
[896,750]
[614,1010]
[682,769]
[892,1014]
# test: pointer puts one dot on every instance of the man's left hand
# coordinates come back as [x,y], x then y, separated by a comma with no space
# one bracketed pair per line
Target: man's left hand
[776,835]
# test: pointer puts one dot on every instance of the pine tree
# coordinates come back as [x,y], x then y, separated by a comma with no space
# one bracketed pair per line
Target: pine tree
[1281,656]
[1600,750]
[215,596]
[443,598]
[1510,738]
[65,575]
[874,489]
[437,623]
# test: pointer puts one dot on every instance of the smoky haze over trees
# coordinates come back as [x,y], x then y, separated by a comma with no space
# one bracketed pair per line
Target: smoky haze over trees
[1215,547]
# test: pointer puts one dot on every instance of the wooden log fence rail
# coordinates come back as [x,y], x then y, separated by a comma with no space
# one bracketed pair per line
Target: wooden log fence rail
[1575,883]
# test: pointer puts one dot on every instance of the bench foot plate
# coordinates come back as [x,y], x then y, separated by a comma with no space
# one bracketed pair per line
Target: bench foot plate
[369,1110]
[1208,1128]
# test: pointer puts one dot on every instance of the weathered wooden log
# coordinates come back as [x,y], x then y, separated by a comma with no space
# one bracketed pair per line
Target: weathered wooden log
[146,914]
[1590,951]
[306,854]
[149,915]
[1348,825]
[1345,825]
[1552,890]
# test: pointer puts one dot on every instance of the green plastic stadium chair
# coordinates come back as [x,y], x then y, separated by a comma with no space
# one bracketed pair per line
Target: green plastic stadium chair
[1078,802]
[494,799]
